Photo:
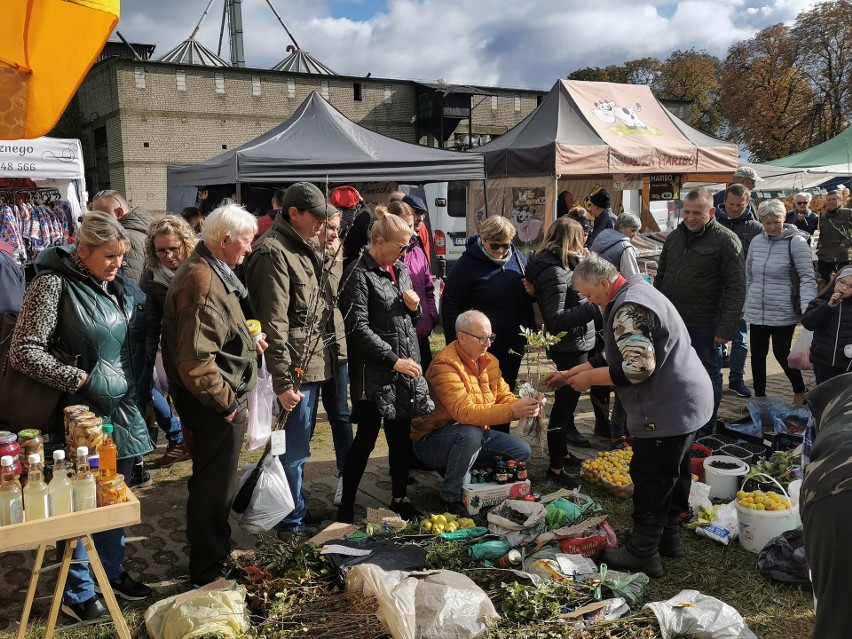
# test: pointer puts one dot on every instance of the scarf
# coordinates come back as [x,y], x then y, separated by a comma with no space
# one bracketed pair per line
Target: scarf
[222,270]
[497,260]
[167,273]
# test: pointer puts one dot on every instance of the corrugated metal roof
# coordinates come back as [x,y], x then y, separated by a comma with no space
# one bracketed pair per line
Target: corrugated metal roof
[302,62]
[190,51]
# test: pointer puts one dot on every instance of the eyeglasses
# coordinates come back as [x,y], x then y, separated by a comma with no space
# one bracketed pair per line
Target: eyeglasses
[798,203]
[169,250]
[483,339]
[497,246]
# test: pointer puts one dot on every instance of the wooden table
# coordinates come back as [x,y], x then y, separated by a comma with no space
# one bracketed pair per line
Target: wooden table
[82,525]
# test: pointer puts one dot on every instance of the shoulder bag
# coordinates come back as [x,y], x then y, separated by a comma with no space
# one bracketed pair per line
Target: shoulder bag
[795,281]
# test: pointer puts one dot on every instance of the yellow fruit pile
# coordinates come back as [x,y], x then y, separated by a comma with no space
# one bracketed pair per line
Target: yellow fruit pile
[446,522]
[611,466]
[759,500]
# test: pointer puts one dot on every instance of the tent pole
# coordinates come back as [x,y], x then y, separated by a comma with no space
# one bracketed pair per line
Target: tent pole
[485,194]
[239,192]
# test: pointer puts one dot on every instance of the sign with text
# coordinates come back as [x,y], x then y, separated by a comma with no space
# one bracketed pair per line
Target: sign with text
[665,186]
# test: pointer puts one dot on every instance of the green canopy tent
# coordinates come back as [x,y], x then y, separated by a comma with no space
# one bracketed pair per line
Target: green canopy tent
[832,156]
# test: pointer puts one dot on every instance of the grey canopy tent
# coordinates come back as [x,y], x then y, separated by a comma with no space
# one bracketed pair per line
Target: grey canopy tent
[317,143]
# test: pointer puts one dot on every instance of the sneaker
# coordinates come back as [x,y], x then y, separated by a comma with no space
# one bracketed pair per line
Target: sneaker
[338,494]
[90,610]
[140,478]
[127,588]
[619,443]
[739,387]
[562,479]
[454,508]
[405,509]
[574,438]
[174,453]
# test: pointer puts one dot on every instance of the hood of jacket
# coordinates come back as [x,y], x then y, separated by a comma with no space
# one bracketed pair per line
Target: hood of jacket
[607,238]
[540,261]
[785,234]
[137,219]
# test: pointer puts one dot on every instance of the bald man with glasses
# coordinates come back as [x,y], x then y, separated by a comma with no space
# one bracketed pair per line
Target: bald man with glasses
[135,222]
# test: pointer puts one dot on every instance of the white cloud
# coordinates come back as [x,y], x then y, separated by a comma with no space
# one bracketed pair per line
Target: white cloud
[507,42]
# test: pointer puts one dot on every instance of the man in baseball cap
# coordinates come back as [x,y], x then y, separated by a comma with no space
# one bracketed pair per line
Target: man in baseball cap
[420,212]
[744,175]
[283,278]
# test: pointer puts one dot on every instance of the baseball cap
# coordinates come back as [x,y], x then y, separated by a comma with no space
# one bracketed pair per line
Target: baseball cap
[748,172]
[307,197]
[344,197]
[416,203]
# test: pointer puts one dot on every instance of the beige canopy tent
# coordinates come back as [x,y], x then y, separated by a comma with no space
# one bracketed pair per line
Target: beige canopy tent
[594,133]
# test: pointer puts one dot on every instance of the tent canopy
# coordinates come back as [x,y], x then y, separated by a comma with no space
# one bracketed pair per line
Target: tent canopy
[42,159]
[319,142]
[832,155]
[601,128]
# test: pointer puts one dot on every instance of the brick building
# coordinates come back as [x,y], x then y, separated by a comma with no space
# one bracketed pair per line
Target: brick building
[138,116]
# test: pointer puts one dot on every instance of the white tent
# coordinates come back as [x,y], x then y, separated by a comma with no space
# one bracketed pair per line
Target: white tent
[49,162]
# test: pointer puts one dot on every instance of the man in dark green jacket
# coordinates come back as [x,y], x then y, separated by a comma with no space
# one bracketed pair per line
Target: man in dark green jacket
[702,272]
[835,237]
[294,301]
[135,222]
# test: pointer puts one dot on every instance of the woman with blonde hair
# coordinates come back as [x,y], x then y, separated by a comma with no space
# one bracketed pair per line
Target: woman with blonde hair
[488,278]
[169,242]
[563,309]
[380,310]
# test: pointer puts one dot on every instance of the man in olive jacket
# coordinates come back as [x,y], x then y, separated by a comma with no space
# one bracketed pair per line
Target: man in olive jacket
[702,272]
[284,274]
[835,237]
[210,360]
[135,222]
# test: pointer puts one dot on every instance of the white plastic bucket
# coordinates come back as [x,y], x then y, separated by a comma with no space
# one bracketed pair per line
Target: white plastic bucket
[758,527]
[724,483]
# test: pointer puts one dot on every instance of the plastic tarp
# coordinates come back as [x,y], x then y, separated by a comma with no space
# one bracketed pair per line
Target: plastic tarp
[602,128]
[46,48]
[834,154]
[319,142]
[210,613]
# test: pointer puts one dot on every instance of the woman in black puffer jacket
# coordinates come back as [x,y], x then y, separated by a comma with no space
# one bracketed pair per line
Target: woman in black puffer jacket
[563,310]
[829,316]
[380,310]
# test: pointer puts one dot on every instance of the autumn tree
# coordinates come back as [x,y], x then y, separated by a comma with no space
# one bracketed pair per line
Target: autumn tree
[639,71]
[694,76]
[766,98]
[824,38]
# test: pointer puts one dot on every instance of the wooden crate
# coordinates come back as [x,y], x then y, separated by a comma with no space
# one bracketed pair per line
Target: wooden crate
[85,522]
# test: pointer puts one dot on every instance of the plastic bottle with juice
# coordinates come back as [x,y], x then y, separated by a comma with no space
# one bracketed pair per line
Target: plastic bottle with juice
[35,492]
[11,499]
[59,490]
[107,454]
[83,484]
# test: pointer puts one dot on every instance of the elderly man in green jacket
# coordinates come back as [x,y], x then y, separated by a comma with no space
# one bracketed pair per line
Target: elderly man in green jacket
[294,300]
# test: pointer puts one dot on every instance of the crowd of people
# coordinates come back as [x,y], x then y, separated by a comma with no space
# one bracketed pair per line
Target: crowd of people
[155,313]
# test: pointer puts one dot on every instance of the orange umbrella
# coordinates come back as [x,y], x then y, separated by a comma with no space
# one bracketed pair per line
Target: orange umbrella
[46,48]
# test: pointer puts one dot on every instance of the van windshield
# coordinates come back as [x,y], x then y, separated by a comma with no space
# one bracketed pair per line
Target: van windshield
[457,199]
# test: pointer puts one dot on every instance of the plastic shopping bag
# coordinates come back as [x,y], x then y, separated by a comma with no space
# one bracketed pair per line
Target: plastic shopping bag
[271,500]
[800,355]
[261,406]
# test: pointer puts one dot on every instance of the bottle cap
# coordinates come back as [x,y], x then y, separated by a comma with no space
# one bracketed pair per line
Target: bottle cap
[82,451]
[6,460]
[58,455]
[253,327]
[94,462]
[108,428]
[35,458]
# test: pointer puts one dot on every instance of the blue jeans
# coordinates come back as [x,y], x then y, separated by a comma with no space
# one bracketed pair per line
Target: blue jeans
[299,430]
[80,585]
[711,357]
[739,351]
[335,401]
[166,419]
[460,447]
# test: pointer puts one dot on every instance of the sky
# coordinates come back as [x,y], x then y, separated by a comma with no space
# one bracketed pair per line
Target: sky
[512,43]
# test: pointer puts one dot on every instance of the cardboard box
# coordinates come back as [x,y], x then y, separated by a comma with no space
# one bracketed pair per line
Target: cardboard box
[475,497]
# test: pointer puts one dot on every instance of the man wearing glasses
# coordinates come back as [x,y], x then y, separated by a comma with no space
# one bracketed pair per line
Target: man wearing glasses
[134,221]
[801,216]
[470,395]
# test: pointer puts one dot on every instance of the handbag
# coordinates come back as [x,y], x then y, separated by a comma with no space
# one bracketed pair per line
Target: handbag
[35,405]
[795,281]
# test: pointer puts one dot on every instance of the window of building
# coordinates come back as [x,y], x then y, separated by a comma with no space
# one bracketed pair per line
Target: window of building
[101,180]
[255,85]
[539,99]
[388,95]
[291,89]
[494,102]
[224,147]
[139,72]
[517,103]
[357,93]
[324,89]
[180,79]
[220,83]
[146,145]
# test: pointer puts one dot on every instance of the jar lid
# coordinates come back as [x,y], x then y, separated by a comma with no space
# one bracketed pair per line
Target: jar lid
[7,438]
[29,433]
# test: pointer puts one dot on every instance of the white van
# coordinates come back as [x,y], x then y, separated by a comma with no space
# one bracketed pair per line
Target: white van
[447,203]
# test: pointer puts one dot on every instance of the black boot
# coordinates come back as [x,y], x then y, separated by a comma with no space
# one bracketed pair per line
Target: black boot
[574,438]
[670,544]
[639,553]
[603,429]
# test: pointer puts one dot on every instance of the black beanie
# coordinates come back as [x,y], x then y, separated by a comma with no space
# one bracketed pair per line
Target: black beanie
[601,199]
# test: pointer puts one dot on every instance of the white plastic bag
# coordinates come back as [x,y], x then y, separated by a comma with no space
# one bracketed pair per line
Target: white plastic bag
[205,613]
[261,406]
[517,534]
[271,500]
[439,604]
[800,354]
[691,614]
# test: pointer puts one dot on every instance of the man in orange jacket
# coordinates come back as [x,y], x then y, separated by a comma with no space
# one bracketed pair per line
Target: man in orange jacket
[469,394]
